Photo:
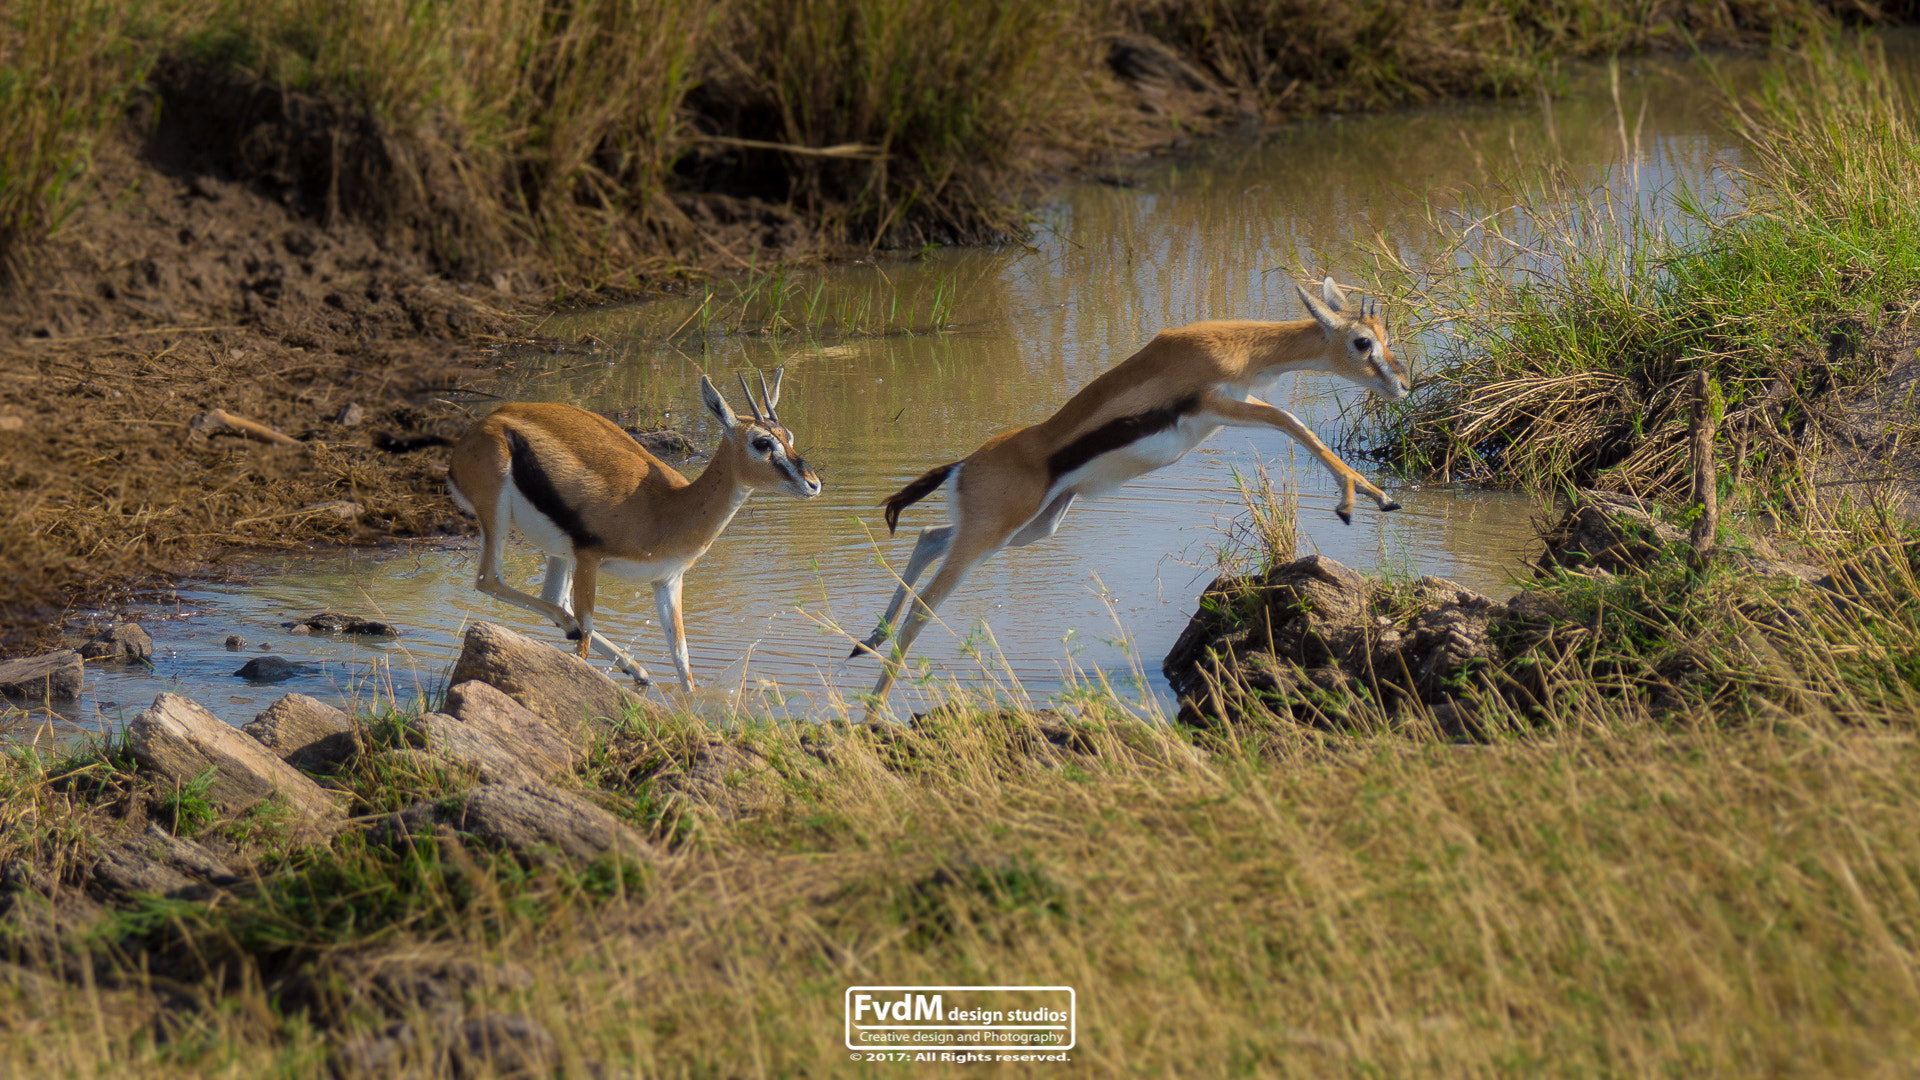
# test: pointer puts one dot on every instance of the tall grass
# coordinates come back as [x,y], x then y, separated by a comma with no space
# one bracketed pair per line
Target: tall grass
[938,99]
[1570,322]
[1299,55]
[66,71]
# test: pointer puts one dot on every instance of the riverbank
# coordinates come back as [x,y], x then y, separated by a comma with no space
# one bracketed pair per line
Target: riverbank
[285,214]
[648,895]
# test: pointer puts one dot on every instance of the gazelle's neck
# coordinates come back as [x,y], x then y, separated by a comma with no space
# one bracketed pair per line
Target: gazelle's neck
[710,501]
[1275,348]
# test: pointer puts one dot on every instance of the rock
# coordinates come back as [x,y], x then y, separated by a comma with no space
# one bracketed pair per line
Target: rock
[379,1053]
[158,863]
[332,622]
[539,822]
[550,750]
[560,687]
[305,733]
[732,781]
[504,1046]
[350,415]
[1610,531]
[270,669]
[54,676]
[177,741]
[235,642]
[122,641]
[463,746]
[1310,611]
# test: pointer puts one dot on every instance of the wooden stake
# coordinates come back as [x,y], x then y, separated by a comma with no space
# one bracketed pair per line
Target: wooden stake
[1705,484]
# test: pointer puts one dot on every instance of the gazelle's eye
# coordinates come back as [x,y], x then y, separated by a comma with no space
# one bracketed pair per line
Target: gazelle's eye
[765,446]
[1363,344]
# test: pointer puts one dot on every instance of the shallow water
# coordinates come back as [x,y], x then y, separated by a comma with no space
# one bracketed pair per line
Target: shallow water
[1211,233]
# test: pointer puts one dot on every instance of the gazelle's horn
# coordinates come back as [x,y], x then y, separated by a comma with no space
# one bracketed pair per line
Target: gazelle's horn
[767,395]
[755,409]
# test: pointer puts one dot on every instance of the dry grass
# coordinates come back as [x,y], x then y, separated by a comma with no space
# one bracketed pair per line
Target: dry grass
[1630,901]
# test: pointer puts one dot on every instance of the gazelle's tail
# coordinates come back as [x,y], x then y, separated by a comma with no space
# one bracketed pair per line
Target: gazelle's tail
[914,492]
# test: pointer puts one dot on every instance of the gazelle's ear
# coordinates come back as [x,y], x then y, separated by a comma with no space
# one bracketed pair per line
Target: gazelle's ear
[1321,313]
[1336,299]
[716,404]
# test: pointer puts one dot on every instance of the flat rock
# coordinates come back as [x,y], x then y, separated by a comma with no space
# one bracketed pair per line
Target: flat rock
[447,739]
[332,622]
[558,686]
[305,733]
[549,749]
[271,669]
[536,821]
[122,641]
[177,741]
[158,863]
[54,676]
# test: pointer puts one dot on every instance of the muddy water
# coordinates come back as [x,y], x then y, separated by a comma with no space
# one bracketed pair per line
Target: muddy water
[1212,233]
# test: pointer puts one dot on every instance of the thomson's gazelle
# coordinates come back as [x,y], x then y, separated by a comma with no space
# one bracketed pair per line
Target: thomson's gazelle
[593,499]
[1143,415]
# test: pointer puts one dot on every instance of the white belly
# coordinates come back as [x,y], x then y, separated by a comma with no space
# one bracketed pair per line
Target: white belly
[1157,451]
[537,527]
[645,571]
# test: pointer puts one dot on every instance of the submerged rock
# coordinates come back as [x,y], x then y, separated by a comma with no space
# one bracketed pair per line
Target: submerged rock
[122,641]
[305,733]
[332,622]
[54,676]
[271,669]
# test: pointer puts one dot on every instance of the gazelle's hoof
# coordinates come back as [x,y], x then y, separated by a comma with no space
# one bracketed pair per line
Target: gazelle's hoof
[1346,518]
[861,648]
[1389,505]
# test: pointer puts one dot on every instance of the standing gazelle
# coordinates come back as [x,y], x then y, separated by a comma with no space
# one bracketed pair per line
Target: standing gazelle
[1142,415]
[593,499]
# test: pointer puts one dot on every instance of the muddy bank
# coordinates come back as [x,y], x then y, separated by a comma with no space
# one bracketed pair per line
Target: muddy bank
[1616,606]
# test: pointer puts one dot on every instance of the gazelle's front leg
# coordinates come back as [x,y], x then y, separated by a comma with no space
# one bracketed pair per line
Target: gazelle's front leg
[1256,413]
[666,601]
[932,544]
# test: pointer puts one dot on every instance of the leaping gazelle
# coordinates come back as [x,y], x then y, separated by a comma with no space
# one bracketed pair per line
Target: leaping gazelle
[1144,414]
[593,499]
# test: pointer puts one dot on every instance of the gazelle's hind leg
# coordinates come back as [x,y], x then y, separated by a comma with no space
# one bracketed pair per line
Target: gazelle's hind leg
[488,581]
[1045,523]
[557,588]
[962,557]
[586,579]
[932,544]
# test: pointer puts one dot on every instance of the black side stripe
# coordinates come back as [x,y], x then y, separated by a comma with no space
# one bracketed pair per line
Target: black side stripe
[1115,434]
[534,483]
